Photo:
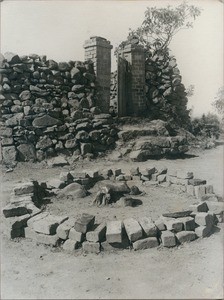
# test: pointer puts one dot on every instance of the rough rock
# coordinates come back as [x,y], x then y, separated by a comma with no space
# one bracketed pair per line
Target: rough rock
[146,243]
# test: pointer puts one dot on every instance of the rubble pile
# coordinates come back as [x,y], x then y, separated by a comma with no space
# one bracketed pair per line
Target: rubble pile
[48,108]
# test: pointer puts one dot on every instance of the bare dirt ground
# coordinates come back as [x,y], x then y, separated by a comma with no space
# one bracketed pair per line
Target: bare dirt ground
[191,271]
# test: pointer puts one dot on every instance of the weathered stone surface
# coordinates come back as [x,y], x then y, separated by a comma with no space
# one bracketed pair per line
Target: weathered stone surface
[76,236]
[199,207]
[70,144]
[85,223]
[196,182]
[55,183]
[48,225]
[199,191]
[45,121]
[98,235]
[113,186]
[39,238]
[17,222]
[168,239]
[19,209]
[146,243]
[44,143]
[173,224]
[185,236]
[25,95]
[209,189]
[63,230]
[70,245]
[12,58]
[161,178]
[91,247]
[189,223]
[203,231]
[7,141]
[26,152]
[160,224]
[5,132]
[74,190]
[58,161]
[204,219]
[209,197]
[215,207]
[15,120]
[133,229]
[184,175]
[114,232]
[149,228]
[190,190]
[9,155]
[21,198]
[24,188]
[125,201]
[178,214]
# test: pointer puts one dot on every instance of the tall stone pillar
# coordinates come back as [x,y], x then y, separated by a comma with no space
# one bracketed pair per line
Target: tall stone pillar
[135,85]
[98,50]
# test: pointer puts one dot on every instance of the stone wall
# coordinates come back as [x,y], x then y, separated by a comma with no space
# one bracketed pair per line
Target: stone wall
[49,108]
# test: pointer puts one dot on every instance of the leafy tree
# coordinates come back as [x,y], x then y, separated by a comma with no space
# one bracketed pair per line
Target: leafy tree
[161,24]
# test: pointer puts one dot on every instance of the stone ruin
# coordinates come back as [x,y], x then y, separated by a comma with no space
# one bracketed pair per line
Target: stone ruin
[25,215]
[52,109]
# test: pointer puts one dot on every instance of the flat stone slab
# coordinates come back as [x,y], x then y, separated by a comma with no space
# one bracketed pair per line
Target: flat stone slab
[178,214]
[39,238]
[133,229]
[196,181]
[58,161]
[149,242]
[149,228]
[85,223]
[45,121]
[48,224]
[98,235]
[20,208]
[203,231]
[173,224]
[186,236]
[114,232]
[24,188]
[168,239]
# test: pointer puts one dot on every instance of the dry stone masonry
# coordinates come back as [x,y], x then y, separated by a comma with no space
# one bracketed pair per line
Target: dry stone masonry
[50,108]
[24,216]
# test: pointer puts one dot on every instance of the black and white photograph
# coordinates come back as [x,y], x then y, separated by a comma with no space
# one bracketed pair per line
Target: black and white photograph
[111,149]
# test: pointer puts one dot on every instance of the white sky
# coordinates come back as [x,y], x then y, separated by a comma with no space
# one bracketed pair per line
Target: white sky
[59,29]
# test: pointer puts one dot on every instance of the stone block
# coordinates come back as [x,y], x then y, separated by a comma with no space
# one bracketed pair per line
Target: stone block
[117,172]
[65,176]
[58,161]
[39,238]
[133,229]
[199,191]
[160,225]
[204,219]
[149,228]
[203,231]
[38,217]
[185,236]
[63,230]
[184,175]
[146,243]
[209,189]
[114,232]
[210,197]
[92,173]
[55,183]
[15,210]
[196,182]
[91,247]
[76,236]
[24,188]
[70,245]
[85,223]
[98,235]
[190,190]
[177,214]
[189,223]
[215,207]
[48,225]
[173,224]
[161,178]
[199,207]
[168,239]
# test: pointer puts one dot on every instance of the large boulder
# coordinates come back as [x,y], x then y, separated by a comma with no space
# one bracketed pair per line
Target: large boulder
[74,190]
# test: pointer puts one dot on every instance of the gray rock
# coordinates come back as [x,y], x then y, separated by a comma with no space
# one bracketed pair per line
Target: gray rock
[26,152]
[15,120]
[9,155]
[12,58]
[45,121]
[58,161]
[44,143]
[75,190]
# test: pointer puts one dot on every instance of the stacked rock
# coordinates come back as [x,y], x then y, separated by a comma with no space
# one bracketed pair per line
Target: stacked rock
[49,107]
[165,93]
[113,92]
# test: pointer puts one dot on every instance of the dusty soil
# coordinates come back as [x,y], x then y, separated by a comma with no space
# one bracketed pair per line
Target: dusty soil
[192,270]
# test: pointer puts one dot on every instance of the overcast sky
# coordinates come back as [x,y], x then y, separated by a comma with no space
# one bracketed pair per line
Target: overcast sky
[59,29]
